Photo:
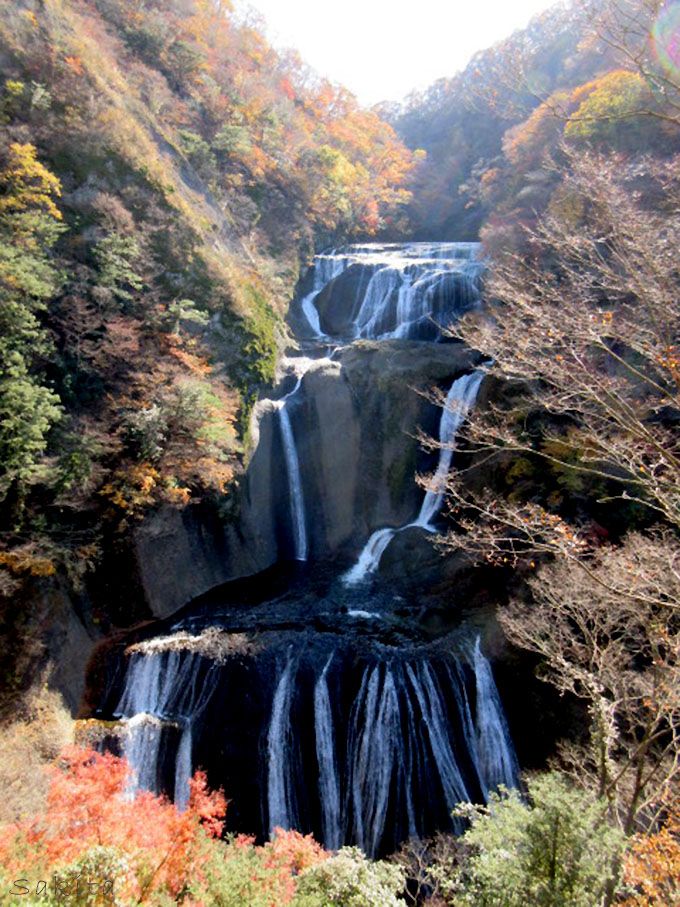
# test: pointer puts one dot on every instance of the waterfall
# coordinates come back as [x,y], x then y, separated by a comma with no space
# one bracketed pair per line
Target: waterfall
[412,291]
[326,716]
[376,725]
[280,783]
[141,747]
[373,312]
[183,768]
[163,690]
[400,746]
[495,754]
[297,504]
[369,559]
[365,746]
[434,715]
[329,781]
[297,501]
[459,400]
[326,269]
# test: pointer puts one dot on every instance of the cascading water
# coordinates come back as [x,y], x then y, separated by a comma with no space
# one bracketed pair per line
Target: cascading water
[459,400]
[495,757]
[163,690]
[324,722]
[408,291]
[329,779]
[280,781]
[297,502]
[366,745]
[326,269]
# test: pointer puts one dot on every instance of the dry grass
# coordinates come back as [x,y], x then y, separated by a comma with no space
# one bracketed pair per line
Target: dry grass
[28,745]
[212,643]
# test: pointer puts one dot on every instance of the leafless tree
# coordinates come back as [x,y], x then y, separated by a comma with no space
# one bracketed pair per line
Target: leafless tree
[622,657]
[583,326]
[586,321]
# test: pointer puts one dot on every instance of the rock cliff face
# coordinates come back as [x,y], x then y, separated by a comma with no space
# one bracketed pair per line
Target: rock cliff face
[356,420]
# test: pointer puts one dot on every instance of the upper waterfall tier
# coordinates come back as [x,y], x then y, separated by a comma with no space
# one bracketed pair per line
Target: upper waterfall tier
[378,292]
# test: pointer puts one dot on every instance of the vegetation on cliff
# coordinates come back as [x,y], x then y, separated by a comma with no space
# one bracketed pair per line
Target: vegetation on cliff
[574,478]
[163,174]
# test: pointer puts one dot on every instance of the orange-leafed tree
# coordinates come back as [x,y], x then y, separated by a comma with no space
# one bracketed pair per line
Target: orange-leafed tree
[652,867]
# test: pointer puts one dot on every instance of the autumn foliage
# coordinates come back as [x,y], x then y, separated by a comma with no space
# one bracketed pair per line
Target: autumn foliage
[165,174]
[652,867]
[92,824]
[87,807]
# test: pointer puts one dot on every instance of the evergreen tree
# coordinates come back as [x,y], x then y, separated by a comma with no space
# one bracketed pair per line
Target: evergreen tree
[30,224]
[556,850]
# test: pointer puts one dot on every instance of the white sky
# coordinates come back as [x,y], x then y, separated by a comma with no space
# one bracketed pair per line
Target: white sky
[383,49]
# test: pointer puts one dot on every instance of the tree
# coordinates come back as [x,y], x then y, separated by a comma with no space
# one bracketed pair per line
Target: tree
[614,650]
[617,110]
[115,256]
[583,330]
[91,820]
[29,227]
[588,323]
[349,879]
[622,28]
[652,865]
[26,185]
[556,850]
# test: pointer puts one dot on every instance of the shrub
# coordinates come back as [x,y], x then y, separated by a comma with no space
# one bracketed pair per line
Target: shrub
[349,879]
[238,873]
[556,850]
[90,821]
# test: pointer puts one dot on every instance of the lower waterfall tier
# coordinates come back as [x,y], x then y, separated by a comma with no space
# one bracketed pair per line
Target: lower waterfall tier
[346,737]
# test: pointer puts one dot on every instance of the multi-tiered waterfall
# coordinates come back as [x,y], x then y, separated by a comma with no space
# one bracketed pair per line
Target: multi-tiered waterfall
[408,292]
[326,708]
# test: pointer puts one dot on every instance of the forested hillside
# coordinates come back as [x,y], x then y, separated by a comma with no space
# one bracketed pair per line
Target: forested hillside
[164,173]
[355,584]
[585,72]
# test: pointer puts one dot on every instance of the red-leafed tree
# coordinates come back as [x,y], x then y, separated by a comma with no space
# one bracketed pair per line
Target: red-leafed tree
[89,809]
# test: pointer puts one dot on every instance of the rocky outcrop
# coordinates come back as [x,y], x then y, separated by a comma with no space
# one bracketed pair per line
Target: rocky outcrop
[338,302]
[356,422]
[69,641]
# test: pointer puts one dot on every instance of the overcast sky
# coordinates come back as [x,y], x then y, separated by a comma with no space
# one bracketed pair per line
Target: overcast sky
[383,49]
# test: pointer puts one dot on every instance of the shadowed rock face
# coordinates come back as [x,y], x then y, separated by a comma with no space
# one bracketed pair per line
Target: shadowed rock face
[338,302]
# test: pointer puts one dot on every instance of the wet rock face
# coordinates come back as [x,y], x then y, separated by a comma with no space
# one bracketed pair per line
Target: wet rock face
[338,301]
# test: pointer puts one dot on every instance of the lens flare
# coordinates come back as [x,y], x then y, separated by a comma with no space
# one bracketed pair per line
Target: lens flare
[666,38]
